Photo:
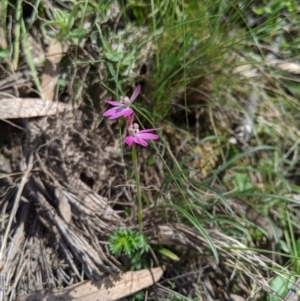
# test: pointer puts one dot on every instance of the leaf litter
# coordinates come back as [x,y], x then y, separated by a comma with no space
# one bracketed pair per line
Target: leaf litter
[59,203]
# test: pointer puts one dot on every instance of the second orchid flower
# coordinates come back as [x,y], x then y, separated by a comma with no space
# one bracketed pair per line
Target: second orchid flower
[139,137]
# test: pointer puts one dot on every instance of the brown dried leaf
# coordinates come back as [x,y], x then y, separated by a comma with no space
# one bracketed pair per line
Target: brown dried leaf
[64,206]
[247,71]
[3,42]
[51,70]
[30,107]
[110,288]
[285,66]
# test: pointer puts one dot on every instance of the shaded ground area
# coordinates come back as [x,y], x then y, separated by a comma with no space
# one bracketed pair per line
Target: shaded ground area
[67,180]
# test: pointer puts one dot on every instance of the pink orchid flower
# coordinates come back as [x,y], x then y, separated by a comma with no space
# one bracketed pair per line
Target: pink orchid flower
[122,107]
[137,136]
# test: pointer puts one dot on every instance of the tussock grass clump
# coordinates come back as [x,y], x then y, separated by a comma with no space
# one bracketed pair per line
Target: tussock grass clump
[219,191]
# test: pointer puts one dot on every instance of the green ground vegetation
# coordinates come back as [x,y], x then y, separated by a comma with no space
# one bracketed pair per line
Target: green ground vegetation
[204,66]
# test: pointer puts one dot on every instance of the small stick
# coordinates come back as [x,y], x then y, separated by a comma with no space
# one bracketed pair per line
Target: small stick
[15,207]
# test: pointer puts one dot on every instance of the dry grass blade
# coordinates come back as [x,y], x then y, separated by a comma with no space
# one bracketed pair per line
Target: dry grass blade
[236,255]
[110,288]
[14,210]
[293,294]
[11,108]
[83,250]
[285,66]
[3,42]
[64,206]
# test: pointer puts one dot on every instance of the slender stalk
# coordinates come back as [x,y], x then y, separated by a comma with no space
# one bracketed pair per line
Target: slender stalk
[3,12]
[34,13]
[138,188]
[17,31]
[154,30]
[29,58]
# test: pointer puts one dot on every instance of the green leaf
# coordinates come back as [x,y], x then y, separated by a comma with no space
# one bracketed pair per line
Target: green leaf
[78,33]
[58,24]
[127,61]
[280,285]
[140,296]
[61,16]
[151,161]
[258,10]
[249,151]
[29,58]
[73,14]
[129,242]
[284,246]
[242,182]
[4,53]
[298,247]
[199,227]
[168,254]
[114,56]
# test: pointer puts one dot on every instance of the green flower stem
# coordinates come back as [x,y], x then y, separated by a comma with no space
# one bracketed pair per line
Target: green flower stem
[138,188]
[17,32]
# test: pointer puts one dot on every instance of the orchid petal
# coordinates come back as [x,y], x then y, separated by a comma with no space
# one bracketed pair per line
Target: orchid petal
[127,112]
[148,136]
[135,93]
[116,115]
[110,112]
[129,140]
[148,130]
[113,103]
[140,141]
